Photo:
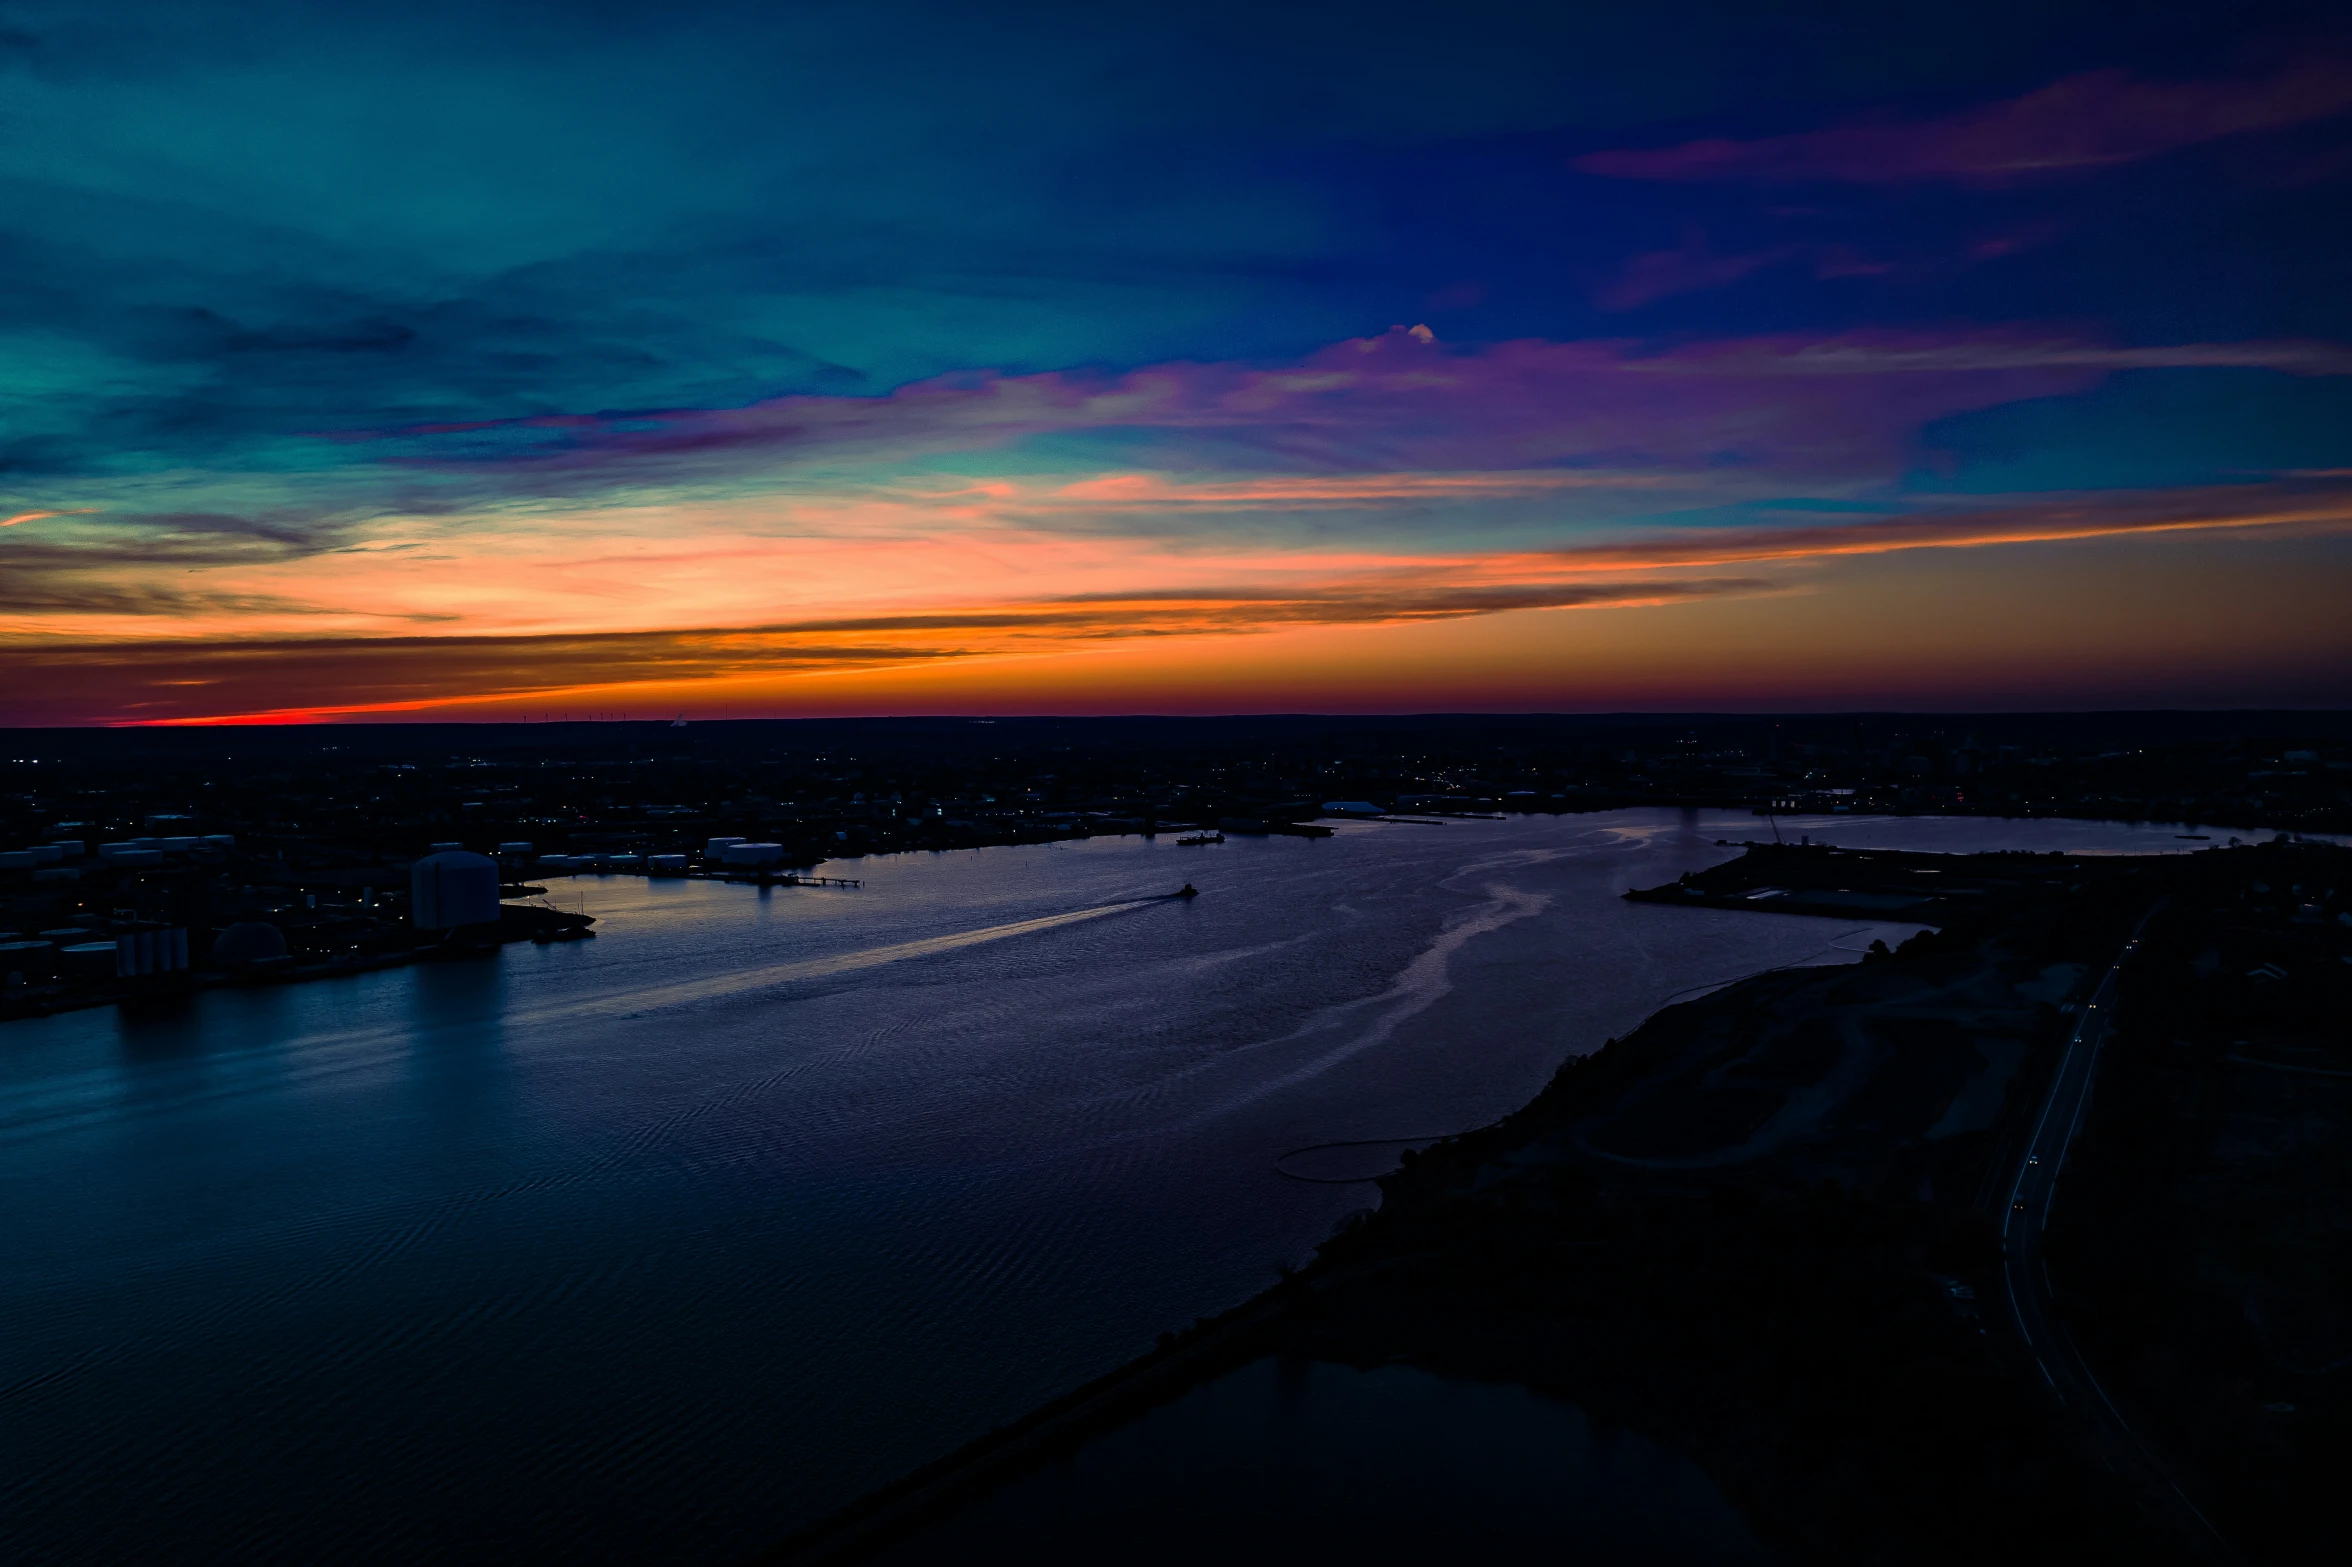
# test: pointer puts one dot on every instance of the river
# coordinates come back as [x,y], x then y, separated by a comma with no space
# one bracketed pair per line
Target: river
[658,1245]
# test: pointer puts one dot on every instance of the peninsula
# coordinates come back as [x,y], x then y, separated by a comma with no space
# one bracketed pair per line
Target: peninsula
[1768,1228]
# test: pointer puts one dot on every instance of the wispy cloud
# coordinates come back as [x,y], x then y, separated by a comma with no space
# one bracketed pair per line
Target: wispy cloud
[2024,520]
[180,679]
[270,679]
[1784,404]
[2077,125]
[1652,275]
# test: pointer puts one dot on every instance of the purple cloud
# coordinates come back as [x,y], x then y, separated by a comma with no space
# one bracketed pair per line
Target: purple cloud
[1688,268]
[2073,126]
[1800,408]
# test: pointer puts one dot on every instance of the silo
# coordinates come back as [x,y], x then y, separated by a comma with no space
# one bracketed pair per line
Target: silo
[134,953]
[147,948]
[453,888]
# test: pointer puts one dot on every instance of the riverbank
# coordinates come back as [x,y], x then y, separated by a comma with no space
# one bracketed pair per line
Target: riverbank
[516,922]
[1755,1229]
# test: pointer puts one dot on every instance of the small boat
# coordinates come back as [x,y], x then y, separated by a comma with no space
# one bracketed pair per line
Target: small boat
[1200,838]
[1188,890]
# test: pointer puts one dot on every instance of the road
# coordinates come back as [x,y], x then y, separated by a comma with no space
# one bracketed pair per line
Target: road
[2033,1187]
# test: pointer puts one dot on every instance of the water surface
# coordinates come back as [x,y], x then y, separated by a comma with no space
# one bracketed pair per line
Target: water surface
[1300,1461]
[661,1244]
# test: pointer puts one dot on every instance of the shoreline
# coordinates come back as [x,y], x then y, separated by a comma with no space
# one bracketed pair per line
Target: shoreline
[1183,1360]
[1582,1247]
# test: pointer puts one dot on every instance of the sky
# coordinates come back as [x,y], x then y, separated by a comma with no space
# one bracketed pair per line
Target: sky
[511,359]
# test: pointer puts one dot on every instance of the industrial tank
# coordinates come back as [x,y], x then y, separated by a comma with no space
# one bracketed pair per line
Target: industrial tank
[453,888]
[88,960]
[248,941]
[31,961]
[146,948]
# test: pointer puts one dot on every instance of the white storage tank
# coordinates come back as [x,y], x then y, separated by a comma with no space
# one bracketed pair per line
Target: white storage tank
[27,961]
[453,888]
[514,848]
[220,840]
[555,862]
[742,853]
[18,859]
[88,960]
[717,848]
[134,858]
[70,848]
[107,851]
[47,853]
[30,961]
[176,845]
[665,864]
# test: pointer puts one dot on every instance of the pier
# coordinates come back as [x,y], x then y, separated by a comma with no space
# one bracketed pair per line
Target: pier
[756,878]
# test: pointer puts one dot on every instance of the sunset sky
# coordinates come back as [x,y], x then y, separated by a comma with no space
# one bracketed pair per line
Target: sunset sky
[506,359]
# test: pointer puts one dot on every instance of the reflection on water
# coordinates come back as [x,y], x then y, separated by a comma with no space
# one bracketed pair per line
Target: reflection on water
[658,1245]
[1301,1461]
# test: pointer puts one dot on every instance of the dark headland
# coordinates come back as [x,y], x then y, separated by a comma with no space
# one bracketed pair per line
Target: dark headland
[1786,1226]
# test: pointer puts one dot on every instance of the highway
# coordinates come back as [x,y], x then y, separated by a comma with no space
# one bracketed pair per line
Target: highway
[2032,1188]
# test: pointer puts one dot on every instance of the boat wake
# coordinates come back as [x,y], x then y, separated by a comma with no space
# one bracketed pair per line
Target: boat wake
[768,976]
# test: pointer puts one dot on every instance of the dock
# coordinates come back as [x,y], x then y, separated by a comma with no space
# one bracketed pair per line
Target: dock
[756,878]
